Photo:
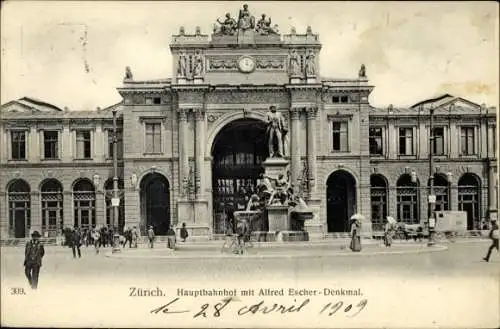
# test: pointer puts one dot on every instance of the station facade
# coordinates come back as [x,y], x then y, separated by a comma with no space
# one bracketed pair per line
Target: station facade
[191,147]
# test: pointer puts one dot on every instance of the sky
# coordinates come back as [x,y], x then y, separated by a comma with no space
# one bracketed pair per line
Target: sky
[73,54]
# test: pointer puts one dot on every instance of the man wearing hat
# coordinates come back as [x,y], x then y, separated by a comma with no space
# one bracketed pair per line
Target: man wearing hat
[494,239]
[33,254]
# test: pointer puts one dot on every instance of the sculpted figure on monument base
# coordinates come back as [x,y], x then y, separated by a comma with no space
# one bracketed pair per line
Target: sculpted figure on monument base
[276,132]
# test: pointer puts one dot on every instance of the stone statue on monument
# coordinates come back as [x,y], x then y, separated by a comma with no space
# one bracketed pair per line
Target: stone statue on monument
[197,64]
[362,71]
[276,132]
[264,26]
[294,63]
[228,26]
[245,19]
[182,69]
[128,74]
[310,66]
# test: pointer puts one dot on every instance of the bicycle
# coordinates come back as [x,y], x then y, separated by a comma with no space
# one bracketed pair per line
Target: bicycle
[232,245]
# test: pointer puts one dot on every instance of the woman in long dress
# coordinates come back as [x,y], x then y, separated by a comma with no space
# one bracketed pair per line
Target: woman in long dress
[355,236]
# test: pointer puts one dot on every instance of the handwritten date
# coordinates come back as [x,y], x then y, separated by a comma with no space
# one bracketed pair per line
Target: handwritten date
[262,307]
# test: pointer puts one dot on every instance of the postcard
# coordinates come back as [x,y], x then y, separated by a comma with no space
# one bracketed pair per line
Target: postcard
[249,164]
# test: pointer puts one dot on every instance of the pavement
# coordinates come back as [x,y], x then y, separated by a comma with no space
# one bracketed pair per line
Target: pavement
[442,282]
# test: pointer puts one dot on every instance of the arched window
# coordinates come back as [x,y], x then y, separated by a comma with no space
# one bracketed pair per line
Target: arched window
[19,208]
[108,187]
[378,199]
[84,204]
[442,192]
[408,200]
[468,199]
[52,206]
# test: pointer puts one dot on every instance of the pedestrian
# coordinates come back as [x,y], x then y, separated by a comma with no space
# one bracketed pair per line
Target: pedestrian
[494,236]
[171,238]
[96,236]
[76,242]
[151,236]
[184,232]
[355,236]
[389,229]
[33,255]
[135,236]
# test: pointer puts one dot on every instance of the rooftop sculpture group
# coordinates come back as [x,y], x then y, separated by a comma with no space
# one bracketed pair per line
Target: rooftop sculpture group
[246,21]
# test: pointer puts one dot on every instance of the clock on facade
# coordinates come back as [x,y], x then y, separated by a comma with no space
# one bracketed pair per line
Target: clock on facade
[246,64]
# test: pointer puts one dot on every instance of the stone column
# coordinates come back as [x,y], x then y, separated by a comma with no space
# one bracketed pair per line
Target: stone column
[100,208]
[4,215]
[183,155]
[311,148]
[199,151]
[36,215]
[66,142]
[492,193]
[68,213]
[295,141]
[33,149]
[454,197]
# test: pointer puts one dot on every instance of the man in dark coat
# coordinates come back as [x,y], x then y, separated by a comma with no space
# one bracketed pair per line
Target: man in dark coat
[33,255]
[76,242]
[494,240]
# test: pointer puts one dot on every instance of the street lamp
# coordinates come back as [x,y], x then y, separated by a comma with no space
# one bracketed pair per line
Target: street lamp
[432,196]
[115,201]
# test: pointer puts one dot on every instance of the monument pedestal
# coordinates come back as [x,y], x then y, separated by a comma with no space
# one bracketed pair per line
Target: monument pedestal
[295,79]
[278,218]
[273,167]
[195,214]
[198,80]
[246,37]
[181,80]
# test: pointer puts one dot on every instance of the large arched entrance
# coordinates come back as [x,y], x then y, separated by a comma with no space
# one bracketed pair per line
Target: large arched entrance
[19,208]
[238,152]
[155,203]
[340,200]
[469,190]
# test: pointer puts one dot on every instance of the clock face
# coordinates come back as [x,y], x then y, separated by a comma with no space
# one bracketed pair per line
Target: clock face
[246,64]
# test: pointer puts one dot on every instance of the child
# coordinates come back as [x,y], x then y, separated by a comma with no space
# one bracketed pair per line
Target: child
[184,232]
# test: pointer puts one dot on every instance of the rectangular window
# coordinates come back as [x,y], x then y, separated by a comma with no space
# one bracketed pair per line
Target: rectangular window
[344,99]
[405,141]
[153,138]
[375,140]
[119,144]
[50,144]
[83,145]
[335,99]
[340,137]
[438,141]
[18,145]
[157,100]
[467,141]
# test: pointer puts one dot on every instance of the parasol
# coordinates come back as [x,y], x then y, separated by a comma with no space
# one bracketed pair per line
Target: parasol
[357,217]
[391,220]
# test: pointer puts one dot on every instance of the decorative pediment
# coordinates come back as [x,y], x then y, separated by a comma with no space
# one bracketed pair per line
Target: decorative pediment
[16,107]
